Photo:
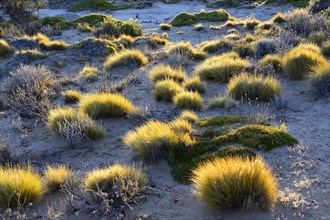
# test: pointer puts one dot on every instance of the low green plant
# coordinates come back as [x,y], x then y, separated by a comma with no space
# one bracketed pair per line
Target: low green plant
[19,186]
[161,72]
[5,48]
[194,84]
[221,68]
[226,102]
[297,62]
[55,177]
[166,89]
[71,96]
[96,5]
[105,179]
[185,18]
[188,100]
[125,57]
[56,22]
[105,105]
[253,87]
[235,183]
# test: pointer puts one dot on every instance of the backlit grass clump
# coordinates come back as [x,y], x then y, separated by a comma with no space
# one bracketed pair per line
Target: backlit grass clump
[194,84]
[216,45]
[32,55]
[19,186]
[105,179]
[167,89]
[272,60]
[90,73]
[221,102]
[61,118]
[189,116]
[186,49]
[252,23]
[105,105]
[125,57]
[235,183]
[298,62]
[320,79]
[162,72]
[155,139]
[181,125]
[47,44]
[325,48]
[165,26]
[253,87]
[71,96]
[188,100]
[221,68]
[55,177]
[5,48]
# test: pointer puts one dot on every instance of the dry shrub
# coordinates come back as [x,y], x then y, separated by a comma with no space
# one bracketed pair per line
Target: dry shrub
[28,90]
[320,79]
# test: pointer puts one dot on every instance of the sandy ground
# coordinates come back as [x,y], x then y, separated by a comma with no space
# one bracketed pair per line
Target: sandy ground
[302,171]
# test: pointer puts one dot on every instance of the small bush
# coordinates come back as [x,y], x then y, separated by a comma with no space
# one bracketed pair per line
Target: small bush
[90,73]
[253,87]
[84,27]
[318,37]
[195,85]
[47,44]
[185,18]
[165,26]
[244,49]
[221,68]
[125,57]
[275,61]
[232,36]
[167,89]
[251,23]
[106,178]
[71,96]
[235,183]
[162,72]
[154,139]
[265,47]
[19,186]
[278,18]
[105,105]
[297,62]
[181,126]
[185,49]
[320,79]
[216,46]
[325,49]
[95,47]
[189,116]
[56,22]
[28,90]
[188,100]
[5,48]
[55,177]
[222,102]
[74,125]
[310,46]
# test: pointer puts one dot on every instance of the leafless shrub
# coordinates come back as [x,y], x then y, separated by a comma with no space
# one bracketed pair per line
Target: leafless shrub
[286,40]
[28,90]
[72,131]
[5,155]
[98,204]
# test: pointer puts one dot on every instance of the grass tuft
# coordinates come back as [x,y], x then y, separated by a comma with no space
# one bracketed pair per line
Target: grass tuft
[55,177]
[90,73]
[47,44]
[125,57]
[188,100]
[19,186]
[71,96]
[105,105]
[320,79]
[189,116]
[235,183]
[162,72]
[194,84]
[167,89]
[5,48]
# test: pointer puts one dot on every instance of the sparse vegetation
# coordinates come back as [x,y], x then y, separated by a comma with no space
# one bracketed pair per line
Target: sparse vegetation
[185,18]
[221,68]
[222,102]
[275,61]
[166,89]
[186,49]
[19,186]
[105,105]
[189,116]
[188,100]
[90,73]
[320,79]
[165,26]
[325,49]
[235,183]
[95,5]
[47,44]
[125,57]
[194,84]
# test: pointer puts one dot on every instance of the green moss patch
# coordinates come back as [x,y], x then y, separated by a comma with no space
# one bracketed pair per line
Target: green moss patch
[56,22]
[96,5]
[185,18]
